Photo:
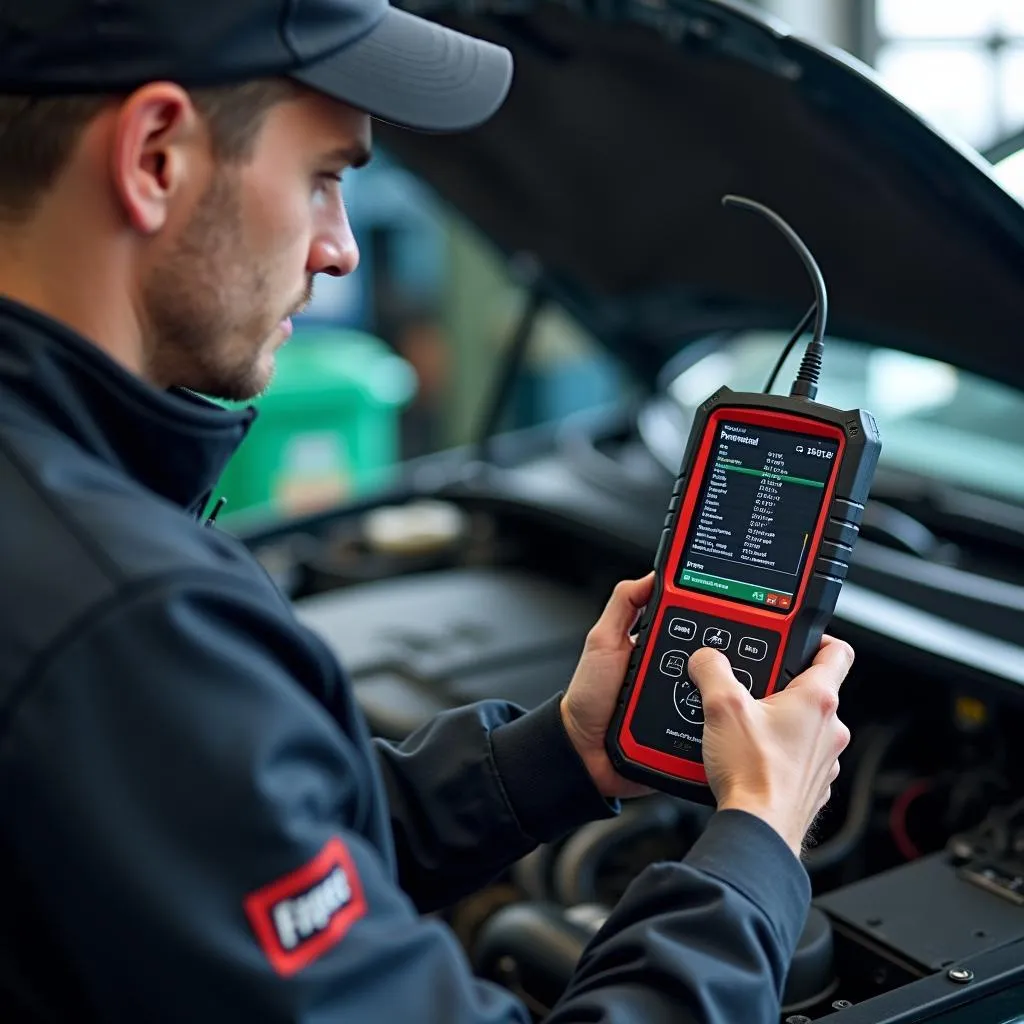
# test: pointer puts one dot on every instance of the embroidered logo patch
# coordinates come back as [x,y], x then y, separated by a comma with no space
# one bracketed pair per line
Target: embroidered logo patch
[302,915]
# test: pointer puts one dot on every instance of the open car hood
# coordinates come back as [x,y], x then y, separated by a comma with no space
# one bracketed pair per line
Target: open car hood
[627,122]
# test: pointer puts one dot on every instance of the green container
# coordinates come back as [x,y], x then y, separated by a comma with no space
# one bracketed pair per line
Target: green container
[327,429]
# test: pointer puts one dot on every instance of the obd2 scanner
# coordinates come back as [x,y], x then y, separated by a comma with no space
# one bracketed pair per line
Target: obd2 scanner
[756,545]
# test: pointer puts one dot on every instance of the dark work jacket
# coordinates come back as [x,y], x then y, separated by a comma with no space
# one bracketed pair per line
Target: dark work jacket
[195,825]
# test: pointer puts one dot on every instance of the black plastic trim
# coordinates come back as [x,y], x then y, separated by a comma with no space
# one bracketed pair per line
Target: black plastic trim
[848,511]
[836,551]
[831,567]
[839,532]
[936,995]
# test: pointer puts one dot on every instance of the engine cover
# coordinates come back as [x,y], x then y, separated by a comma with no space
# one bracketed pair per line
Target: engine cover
[416,645]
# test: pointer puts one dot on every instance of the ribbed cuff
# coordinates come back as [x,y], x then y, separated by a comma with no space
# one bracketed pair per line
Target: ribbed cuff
[546,783]
[745,852]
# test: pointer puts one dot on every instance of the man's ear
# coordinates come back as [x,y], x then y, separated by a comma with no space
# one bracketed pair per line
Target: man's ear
[158,133]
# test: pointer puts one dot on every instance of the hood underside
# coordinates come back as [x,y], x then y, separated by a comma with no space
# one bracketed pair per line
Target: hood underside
[628,121]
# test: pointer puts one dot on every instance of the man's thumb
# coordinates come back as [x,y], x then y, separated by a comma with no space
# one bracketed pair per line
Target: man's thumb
[712,674]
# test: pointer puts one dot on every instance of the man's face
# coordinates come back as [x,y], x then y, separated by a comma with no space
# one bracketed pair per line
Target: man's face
[239,260]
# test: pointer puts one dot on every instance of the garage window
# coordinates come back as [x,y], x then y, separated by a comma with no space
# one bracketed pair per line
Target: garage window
[960,65]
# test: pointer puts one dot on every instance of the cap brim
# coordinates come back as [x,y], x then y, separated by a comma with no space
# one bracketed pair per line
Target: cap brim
[417,74]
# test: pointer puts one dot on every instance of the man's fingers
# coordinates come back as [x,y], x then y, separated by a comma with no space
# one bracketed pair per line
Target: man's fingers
[712,674]
[834,646]
[620,613]
[830,665]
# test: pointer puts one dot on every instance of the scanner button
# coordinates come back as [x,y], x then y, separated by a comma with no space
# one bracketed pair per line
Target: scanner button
[682,629]
[718,638]
[673,663]
[753,650]
[744,677]
[688,703]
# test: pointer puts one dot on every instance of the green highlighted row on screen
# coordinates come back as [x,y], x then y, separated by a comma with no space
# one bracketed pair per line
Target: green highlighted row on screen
[741,591]
[782,477]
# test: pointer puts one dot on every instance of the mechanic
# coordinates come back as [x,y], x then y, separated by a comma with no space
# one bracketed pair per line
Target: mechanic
[196,825]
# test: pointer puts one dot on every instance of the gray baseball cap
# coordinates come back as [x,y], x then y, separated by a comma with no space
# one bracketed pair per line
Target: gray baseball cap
[394,65]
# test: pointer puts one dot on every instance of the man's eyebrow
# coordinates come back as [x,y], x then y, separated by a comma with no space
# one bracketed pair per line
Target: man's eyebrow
[356,155]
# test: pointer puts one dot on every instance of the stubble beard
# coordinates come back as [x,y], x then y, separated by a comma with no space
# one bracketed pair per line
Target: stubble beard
[209,329]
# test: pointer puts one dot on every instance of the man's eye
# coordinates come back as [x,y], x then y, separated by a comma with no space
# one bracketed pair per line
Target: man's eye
[329,181]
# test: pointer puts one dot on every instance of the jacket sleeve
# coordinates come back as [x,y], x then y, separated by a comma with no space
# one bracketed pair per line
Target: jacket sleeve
[476,789]
[194,824]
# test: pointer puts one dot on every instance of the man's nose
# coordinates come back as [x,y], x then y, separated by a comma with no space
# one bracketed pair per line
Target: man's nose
[334,250]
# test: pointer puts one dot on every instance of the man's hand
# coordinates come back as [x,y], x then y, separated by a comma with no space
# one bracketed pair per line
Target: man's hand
[589,703]
[775,758]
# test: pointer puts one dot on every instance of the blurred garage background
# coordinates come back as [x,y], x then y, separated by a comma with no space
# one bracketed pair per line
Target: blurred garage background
[445,578]
[396,361]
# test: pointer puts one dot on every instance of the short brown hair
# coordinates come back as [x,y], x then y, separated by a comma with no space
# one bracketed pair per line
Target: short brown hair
[39,134]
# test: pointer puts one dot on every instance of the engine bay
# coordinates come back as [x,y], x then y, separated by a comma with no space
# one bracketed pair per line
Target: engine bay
[474,580]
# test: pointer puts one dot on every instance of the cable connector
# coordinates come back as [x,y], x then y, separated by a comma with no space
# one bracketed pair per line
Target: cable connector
[806,383]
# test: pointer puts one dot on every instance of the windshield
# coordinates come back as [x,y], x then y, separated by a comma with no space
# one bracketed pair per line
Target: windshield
[935,420]
[1010,173]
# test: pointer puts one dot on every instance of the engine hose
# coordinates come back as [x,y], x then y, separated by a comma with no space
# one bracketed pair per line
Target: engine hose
[580,859]
[834,850]
[532,873]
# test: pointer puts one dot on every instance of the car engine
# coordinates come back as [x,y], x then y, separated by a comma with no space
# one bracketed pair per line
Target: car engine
[473,580]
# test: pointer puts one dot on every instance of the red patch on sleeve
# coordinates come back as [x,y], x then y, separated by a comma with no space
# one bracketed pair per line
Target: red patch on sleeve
[302,915]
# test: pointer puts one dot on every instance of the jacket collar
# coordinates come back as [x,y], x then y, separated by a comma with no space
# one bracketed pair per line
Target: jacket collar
[175,443]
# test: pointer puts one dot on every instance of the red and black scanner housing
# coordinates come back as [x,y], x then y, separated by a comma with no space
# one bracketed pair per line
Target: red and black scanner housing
[655,735]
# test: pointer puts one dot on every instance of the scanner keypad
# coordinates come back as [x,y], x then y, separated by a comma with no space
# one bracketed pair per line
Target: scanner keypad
[669,715]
